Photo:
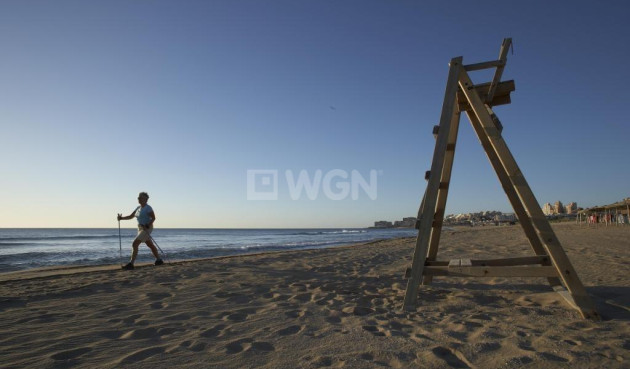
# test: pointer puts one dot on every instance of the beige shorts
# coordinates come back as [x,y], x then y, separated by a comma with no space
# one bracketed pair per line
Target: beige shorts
[144,234]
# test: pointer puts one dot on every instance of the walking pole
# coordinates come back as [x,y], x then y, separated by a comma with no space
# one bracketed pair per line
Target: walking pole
[159,248]
[119,242]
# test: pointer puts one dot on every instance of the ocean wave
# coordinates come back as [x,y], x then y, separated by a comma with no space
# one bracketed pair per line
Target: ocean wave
[54,238]
[342,231]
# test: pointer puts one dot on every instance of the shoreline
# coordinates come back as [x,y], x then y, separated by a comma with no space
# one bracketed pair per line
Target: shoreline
[57,270]
[320,308]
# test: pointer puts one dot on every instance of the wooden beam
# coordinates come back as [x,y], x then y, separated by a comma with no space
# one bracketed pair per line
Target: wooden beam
[484,65]
[490,271]
[430,199]
[505,47]
[524,260]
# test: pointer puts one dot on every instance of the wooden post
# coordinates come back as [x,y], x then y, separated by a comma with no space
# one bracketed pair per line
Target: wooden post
[427,214]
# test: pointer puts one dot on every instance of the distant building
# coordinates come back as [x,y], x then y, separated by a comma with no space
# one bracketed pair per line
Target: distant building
[558,208]
[547,209]
[505,218]
[408,222]
[383,224]
[572,208]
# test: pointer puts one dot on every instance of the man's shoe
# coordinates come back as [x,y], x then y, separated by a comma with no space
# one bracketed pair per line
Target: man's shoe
[159,262]
[129,266]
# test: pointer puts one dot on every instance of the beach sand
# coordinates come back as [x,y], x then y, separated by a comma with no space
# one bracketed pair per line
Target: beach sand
[338,307]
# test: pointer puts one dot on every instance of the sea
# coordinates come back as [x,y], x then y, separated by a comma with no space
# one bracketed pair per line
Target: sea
[27,248]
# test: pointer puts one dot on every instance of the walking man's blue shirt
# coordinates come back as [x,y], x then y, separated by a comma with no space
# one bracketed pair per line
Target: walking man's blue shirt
[142,214]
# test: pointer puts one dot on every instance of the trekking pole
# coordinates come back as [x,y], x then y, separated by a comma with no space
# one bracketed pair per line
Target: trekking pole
[119,242]
[159,248]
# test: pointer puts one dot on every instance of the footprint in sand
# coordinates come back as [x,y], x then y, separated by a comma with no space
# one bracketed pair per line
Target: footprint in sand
[141,355]
[140,334]
[327,361]
[453,358]
[262,347]
[238,346]
[158,305]
[551,357]
[239,315]
[248,344]
[131,319]
[70,354]
[197,346]
[296,313]
[333,319]
[214,331]
[374,330]
[158,295]
[358,310]
[302,297]
[289,330]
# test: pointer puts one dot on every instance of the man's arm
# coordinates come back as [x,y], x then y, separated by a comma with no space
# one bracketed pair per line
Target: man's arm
[152,216]
[130,216]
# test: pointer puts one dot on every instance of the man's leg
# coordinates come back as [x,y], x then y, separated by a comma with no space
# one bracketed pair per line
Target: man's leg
[154,250]
[134,253]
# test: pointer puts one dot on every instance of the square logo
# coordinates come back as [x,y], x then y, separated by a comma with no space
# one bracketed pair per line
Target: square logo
[262,184]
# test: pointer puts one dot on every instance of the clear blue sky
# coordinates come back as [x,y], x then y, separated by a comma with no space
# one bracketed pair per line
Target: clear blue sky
[101,100]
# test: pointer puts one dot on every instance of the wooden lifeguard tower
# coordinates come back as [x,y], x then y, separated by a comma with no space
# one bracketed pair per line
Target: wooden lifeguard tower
[550,260]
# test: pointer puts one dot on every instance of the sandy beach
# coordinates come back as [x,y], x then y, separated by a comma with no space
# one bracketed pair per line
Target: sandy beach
[338,307]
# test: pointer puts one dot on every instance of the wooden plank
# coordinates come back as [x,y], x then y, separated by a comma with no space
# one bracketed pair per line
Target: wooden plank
[427,213]
[505,47]
[496,101]
[488,271]
[550,242]
[522,260]
[484,65]
[503,89]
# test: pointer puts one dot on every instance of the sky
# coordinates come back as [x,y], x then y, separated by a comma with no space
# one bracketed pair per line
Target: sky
[102,99]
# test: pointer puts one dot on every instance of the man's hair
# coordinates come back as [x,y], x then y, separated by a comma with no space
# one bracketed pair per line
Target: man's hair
[144,194]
